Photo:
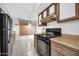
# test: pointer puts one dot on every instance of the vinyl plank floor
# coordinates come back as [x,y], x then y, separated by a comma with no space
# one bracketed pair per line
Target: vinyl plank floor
[24,46]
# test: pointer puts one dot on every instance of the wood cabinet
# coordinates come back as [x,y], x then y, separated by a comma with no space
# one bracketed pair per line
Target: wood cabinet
[47,15]
[62,50]
[66,45]
[61,12]
[67,11]
[40,17]
[35,39]
[55,53]
[35,42]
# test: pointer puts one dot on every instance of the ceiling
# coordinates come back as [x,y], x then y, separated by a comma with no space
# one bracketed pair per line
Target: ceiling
[21,10]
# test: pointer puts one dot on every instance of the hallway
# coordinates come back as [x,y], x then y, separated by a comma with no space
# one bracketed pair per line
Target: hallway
[24,46]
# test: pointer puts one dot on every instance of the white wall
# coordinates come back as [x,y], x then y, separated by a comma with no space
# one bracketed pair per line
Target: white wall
[70,27]
[16,27]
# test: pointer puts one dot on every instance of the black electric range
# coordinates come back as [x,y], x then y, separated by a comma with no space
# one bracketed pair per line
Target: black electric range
[43,41]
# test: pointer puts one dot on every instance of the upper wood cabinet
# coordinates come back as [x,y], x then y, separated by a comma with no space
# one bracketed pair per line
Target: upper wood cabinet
[44,13]
[51,9]
[47,15]
[40,17]
[68,11]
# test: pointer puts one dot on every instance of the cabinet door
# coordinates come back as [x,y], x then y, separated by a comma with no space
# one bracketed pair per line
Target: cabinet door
[44,14]
[55,53]
[68,11]
[52,9]
[35,41]
[39,19]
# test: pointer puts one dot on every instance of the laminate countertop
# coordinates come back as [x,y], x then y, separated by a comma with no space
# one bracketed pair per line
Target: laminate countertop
[68,40]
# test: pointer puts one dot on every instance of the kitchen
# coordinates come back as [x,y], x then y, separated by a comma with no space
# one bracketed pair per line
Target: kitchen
[53,28]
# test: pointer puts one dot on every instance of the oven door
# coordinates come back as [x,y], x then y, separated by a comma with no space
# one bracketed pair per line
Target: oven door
[42,47]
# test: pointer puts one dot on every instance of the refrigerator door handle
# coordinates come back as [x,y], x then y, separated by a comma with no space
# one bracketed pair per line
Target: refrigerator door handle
[4,29]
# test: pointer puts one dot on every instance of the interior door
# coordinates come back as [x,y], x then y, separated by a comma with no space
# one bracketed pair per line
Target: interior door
[24,29]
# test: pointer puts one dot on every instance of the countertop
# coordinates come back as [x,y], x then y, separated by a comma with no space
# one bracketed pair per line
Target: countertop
[43,33]
[68,40]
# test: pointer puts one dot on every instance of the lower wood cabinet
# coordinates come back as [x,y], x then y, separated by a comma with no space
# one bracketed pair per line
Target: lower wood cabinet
[35,42]
[55,53]
[58,49]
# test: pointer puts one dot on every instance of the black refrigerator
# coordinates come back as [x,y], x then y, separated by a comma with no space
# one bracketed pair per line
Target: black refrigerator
[5,33]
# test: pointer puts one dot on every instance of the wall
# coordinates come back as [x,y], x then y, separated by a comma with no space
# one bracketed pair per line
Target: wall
[70,27]
[16,26]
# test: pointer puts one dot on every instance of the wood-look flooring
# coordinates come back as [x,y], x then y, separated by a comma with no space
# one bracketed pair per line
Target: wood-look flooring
[24,46]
